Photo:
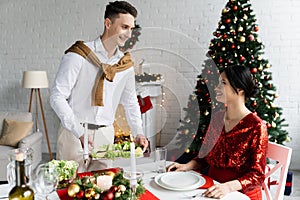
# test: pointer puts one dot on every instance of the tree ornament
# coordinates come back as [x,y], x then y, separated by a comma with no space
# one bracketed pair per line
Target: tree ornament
[276,95]
[187,151]
[259,57]
[206,113]
[234,8]
[240,29]
[268,65]
[269,125]
[224,36]
[227,21]
[254,104]
[224,11]
[223,49]
[273,124]
[253,70]
[260,68]
[242,39]
[251,37]
[245,17]
[220,60]
[256,28]
[232,46]
[242,58]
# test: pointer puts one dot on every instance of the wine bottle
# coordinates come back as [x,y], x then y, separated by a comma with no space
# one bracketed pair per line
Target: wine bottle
[21,191]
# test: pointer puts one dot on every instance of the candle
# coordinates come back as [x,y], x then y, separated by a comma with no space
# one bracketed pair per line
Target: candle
[133,180]
[85,143]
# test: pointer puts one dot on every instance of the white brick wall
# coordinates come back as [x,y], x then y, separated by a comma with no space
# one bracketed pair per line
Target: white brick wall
[174,40]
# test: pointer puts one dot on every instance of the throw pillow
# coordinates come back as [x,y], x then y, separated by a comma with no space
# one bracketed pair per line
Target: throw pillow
[14,131]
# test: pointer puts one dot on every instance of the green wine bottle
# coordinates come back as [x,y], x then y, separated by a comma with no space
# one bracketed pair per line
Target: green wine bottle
[21,191]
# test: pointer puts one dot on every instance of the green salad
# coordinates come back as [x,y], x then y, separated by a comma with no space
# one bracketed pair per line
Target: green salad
[112,151]
[67,169]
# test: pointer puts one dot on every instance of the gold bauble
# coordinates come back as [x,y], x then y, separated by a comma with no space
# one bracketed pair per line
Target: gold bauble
[73,189]
[224,11]
[242,39]
[240,29]
[268,65]
[187,151]
[273,124]
[90,192]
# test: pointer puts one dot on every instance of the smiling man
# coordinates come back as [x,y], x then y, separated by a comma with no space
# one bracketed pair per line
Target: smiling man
[93,78]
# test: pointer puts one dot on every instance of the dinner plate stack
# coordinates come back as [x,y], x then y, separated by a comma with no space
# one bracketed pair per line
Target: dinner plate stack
[180,181]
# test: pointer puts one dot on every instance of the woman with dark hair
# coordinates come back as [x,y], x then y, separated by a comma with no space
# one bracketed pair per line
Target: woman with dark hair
[234,148]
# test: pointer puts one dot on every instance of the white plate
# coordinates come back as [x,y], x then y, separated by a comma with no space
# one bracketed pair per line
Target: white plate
[179,181]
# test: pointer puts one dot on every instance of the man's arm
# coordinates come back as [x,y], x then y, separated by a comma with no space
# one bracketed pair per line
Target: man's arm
[60,92]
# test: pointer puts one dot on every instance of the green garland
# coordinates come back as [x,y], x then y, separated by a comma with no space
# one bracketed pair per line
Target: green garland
[136,32]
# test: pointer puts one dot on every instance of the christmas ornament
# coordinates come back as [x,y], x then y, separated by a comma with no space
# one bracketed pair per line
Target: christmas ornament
[227,21]
[242,59]
[253,70]
[232,46]
[240,29]
[251,37]
[234,8]
[242,39]
[256,28]
[268,65]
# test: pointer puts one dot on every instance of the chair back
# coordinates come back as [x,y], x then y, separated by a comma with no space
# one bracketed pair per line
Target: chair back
[282,157]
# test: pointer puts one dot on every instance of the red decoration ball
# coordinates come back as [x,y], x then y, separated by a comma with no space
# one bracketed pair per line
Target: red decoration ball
[269,125]
[233,46]
[220,60]
[218,34]
[242,59]
[256,28]
[224,36]
[254,104]
[234,8]
[227,21]
[218,44]
[253,70]
[251,37]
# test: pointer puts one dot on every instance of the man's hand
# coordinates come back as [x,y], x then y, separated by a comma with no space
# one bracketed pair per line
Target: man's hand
[142,140]
[90,142]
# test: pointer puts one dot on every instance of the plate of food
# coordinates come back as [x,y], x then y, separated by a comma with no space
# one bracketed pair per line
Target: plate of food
[115,151]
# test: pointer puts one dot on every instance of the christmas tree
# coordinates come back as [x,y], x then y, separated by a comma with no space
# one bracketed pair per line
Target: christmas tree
[235,42]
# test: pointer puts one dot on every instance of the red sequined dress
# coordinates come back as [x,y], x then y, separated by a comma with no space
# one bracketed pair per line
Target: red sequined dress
[239,154]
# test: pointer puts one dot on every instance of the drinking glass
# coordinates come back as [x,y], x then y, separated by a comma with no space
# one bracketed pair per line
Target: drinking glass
[160,159]
[46,179]
[133,177]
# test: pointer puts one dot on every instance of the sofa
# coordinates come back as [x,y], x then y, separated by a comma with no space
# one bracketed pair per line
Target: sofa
[17,132]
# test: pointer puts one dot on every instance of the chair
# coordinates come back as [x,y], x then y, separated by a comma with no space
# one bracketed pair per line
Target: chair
[282,157]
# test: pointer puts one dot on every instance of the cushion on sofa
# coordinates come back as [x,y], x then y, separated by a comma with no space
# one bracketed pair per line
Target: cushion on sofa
[13,131]
[14,115]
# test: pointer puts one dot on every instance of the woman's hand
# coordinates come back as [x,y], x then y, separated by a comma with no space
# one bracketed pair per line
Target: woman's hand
[142,140]
[218,191]
[90,142]
[182,167]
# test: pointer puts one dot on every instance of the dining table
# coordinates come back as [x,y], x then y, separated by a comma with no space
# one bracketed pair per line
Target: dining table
[147,166]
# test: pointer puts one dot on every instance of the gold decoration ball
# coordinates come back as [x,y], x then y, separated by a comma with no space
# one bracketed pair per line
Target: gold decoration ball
[73,189]
[224,11]
[223,49]
[268,65]
[276,95]
[187,151]
[240,29]
[242,39]
[110,173]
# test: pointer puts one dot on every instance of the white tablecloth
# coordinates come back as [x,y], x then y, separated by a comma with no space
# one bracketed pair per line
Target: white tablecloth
[147,165]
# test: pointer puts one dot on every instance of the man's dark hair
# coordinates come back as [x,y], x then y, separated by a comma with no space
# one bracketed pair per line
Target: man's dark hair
[113,9]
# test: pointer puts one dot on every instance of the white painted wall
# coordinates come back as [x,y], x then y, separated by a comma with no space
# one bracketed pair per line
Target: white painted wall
[175,36]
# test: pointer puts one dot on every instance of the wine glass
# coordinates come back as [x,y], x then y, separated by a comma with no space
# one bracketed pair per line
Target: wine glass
[133,177]
[46,179]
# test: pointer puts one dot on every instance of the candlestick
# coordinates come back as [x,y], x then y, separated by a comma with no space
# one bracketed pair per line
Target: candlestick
[133,180]
[19,156]
[85,143]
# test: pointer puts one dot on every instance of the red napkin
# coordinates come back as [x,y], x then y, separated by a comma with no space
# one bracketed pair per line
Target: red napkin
[208,182]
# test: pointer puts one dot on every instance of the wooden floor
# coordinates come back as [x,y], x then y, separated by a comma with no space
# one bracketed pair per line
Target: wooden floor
[295,184]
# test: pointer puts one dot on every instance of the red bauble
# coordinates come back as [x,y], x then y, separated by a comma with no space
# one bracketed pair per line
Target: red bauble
[254,104]
[224,36]
[251,37]
[269,125]
[234,8]
[218,34]
[256,28]
[218,45]
[242,59]
[113,188]
[220,60]
[253,70]
[233,46]
[227,21]
[80,194]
